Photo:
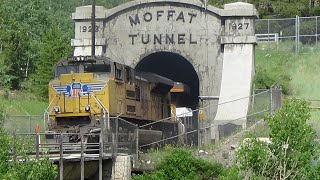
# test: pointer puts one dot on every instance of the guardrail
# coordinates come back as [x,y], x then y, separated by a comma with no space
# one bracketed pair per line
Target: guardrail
[273,37]
[59,146]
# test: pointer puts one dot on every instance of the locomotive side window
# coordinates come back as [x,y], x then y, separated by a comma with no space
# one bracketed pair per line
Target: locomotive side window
[129,75]
[138,97]
[97,68]
[69,69]
[118,72]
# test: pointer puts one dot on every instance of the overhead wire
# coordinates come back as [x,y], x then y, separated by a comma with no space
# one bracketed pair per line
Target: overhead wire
[196,130]
[206,107]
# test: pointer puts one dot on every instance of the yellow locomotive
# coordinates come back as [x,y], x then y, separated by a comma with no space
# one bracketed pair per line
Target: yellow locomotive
[84,91]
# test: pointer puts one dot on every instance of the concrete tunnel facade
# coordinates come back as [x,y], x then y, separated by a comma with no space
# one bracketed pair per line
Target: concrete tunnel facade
[210,49]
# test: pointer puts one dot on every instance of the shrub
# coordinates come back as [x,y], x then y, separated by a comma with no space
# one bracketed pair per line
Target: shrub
[292,149]
[4,152]
[264,79]
[2,113]
[181,164]
[24,168]
[232,173]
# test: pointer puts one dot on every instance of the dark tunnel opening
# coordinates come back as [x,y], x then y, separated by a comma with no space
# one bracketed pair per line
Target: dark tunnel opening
[176,68]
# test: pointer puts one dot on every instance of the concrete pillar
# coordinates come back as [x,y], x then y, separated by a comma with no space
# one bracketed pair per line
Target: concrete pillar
[82,41]
[238,41]
[122,168]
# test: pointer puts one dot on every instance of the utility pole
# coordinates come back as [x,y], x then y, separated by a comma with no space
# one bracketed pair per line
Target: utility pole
[93,30]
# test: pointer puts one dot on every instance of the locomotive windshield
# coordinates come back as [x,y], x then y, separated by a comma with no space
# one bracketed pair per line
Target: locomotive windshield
[97,68]
[67,69]
[87,68]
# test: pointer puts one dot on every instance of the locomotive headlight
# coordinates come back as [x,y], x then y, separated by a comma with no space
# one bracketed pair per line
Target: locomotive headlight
[87,108]
[57,109]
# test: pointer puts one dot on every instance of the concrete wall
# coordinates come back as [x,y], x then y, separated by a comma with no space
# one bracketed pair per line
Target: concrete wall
[238,68]
[217,42]
[122,168]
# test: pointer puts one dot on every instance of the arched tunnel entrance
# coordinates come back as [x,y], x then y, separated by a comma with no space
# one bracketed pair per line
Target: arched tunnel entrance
[176,68]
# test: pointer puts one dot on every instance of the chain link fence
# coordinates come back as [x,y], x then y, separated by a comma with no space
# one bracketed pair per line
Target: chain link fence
[192,130]
[298,32]
[24,123]
[262,101]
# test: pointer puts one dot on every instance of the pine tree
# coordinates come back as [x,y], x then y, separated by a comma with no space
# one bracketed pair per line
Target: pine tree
[55,47]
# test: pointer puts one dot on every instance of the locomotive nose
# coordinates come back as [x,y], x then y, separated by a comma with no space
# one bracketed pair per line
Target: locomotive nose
[74,93]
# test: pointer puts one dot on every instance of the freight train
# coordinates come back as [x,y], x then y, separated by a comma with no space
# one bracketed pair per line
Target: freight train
[83,92]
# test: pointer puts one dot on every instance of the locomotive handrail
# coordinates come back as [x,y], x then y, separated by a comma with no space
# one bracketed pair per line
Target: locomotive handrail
[46,113]
[104,109]
[51,102]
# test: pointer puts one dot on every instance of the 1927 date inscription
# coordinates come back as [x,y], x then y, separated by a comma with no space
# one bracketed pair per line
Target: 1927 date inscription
[238,26]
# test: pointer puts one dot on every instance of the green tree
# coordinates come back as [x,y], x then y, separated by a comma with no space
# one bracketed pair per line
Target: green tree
[55,47]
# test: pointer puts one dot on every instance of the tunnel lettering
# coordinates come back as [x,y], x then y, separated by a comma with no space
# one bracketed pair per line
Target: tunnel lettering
[147,17]
[181,38]
[134,21]
[145,40]
[161,14]
[180,17]
[170,14]
[157,39]
[169,39]
[132,36]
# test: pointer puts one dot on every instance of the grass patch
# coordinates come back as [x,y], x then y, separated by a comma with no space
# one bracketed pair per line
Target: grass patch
[22,103]
[298,74]
[271,67]
[22,112]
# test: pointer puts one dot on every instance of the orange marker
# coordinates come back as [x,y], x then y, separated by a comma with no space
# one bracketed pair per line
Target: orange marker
[38,128]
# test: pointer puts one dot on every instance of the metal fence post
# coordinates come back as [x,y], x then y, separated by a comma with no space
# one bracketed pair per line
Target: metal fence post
[61,157]
[268,29]
[101,145]
[199,134]
[29,124]
[271,99]
[82,158]
[14,147]
[137,142]
[117,136]
[296,34]
[316,31]
[37,145]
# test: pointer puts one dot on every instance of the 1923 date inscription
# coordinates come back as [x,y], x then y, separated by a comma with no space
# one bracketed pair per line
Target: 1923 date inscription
[88,28]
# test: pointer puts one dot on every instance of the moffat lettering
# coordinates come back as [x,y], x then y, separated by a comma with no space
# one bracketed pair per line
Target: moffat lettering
[170,16]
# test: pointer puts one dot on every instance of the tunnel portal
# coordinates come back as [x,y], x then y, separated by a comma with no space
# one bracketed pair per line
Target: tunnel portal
[207,48]
[176,68]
